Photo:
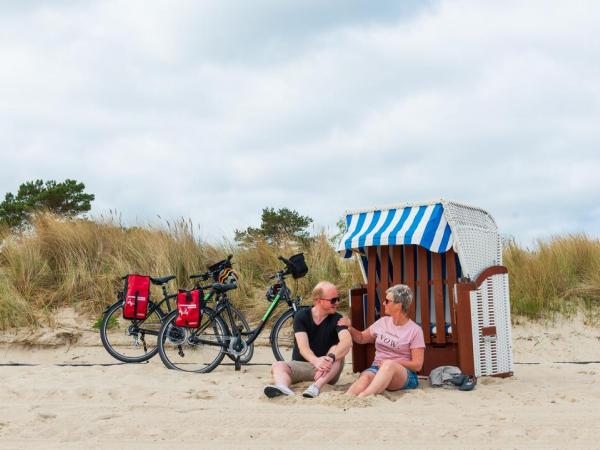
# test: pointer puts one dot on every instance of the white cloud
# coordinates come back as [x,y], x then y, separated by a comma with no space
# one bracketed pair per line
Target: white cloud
[214,110]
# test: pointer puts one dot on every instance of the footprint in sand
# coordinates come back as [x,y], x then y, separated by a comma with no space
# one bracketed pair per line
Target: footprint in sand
[199,395]
[46,416]
[109,416]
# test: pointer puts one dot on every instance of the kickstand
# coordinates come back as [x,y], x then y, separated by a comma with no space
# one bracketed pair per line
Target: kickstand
[142,338]
[237,363]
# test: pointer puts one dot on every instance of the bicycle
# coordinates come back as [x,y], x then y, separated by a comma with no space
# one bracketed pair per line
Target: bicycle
[202,349]
[127,339]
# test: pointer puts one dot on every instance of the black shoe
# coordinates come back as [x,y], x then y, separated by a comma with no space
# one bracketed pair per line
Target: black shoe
[468,385]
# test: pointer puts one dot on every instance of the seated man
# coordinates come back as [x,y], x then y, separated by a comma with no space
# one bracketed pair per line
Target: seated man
[320,346]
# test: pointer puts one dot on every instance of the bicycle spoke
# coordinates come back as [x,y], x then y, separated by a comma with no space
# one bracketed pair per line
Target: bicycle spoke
[127,340]
[195,350]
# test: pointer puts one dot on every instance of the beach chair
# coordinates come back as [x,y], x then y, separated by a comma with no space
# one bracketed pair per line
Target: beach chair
[450,254]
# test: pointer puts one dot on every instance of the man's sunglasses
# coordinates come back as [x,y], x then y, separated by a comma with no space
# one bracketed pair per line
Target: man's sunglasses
[332,300]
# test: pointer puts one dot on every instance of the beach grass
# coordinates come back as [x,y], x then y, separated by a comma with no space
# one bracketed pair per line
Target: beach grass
[560,275]
[79,263]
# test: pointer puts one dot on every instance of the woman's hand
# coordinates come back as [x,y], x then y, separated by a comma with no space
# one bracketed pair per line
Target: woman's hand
[344,322]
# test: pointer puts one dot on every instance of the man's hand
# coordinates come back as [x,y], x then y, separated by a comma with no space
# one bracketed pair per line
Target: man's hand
[344,322]
[323,365]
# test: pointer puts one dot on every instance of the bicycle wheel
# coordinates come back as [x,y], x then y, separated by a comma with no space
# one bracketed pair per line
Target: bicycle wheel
[193,350]
[241,323]
[282,336]
[130,341]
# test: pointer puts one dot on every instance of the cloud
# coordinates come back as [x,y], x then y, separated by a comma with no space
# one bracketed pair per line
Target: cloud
[214,110]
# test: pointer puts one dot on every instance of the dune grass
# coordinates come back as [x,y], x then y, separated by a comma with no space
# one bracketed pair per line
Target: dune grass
[559,276]
[80,263]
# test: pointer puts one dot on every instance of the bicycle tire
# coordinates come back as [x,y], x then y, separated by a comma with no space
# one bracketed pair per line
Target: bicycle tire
[113,331]
[282,335]
[239,316]
[167,348]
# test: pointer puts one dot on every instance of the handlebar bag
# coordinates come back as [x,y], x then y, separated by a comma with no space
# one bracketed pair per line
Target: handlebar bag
[189,305]
[137,296]
[299,267]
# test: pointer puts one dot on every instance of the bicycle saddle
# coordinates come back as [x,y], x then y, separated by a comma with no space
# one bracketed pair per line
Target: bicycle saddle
[222,288]
[162,280]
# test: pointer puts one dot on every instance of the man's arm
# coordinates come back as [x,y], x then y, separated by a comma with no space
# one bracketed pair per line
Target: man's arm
[341,349]
[360,337]
[322,362]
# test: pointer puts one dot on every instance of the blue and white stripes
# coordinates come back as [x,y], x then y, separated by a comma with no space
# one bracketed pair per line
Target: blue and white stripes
[423,225]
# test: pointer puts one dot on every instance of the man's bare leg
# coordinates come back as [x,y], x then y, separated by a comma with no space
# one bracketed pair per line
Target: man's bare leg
[336,367]
[282,374]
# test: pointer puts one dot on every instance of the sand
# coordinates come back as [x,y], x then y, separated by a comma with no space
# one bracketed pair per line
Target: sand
[95,402]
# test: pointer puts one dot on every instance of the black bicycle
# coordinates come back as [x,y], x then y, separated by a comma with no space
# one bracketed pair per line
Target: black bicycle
[136,340]
[202,349]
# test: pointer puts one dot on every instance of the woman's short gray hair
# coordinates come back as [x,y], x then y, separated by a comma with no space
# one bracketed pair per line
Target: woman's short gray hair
[402,294]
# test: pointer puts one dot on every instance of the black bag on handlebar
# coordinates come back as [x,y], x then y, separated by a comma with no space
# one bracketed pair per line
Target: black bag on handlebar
[297,267]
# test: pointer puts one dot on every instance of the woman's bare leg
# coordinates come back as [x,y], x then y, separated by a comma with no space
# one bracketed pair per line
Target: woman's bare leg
[391,375]
[361,384]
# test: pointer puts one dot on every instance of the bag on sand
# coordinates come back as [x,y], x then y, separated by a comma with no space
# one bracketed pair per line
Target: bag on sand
[451,376]
[189,305]
[136,295]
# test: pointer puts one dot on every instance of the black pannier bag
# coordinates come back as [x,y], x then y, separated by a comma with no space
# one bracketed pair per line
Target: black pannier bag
[298,266]
[136,295]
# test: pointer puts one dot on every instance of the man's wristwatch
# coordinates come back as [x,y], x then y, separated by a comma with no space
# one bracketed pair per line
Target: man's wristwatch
[332,356]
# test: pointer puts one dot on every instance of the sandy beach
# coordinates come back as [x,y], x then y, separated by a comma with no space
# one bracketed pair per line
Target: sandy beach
[69,393]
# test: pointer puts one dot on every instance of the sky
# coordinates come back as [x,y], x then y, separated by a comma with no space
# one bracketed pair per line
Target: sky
[213,110]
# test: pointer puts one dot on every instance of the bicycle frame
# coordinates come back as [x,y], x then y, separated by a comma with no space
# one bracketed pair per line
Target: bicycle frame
[224,305]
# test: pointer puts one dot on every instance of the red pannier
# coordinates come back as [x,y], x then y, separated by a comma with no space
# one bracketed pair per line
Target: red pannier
[137,296]
[189,305]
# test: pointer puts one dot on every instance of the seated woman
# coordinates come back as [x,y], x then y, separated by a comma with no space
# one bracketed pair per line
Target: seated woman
[399,347]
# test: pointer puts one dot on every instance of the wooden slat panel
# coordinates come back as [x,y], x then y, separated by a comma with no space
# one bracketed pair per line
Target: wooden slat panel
[371,289]
[450,282]
[384,278]
[359,352]
[423,283]
[438,297]
[409,276]
[397,263]
[464,330]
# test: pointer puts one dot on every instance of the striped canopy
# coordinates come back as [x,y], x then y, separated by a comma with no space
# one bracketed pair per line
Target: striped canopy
[423,225]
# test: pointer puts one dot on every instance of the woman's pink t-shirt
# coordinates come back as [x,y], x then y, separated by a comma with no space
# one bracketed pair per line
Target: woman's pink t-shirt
[395,341]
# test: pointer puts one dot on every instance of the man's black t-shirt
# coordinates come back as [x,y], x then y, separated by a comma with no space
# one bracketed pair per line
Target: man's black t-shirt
[320,337]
